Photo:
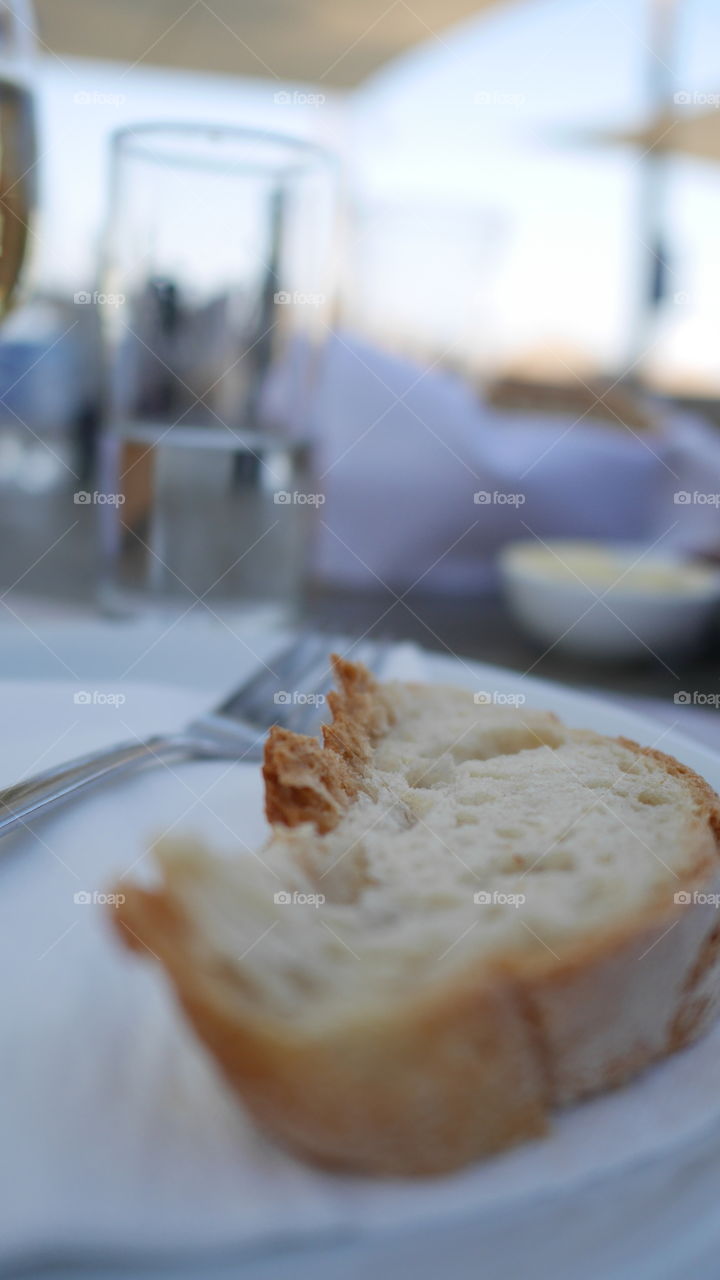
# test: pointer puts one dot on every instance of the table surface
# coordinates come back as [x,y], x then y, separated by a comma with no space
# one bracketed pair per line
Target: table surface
[50,553]
[482,628]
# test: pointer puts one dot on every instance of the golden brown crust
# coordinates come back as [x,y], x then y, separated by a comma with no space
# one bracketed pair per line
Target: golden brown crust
[464,1069]
[307,782]
[303,782]
[417,1090]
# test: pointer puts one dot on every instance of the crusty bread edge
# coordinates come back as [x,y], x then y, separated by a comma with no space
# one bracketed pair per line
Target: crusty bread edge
[470,1067]
[309,782]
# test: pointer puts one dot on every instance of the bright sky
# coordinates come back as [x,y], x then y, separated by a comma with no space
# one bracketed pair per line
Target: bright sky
[563,261]
[480,227]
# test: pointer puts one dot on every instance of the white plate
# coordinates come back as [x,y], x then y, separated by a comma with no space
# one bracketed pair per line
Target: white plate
[119,1141]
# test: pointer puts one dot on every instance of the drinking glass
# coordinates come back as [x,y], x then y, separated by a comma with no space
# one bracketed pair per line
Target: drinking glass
[31,399]
[18,144]
[216,289]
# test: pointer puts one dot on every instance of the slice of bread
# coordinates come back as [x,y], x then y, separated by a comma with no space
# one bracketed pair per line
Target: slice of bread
[466,916]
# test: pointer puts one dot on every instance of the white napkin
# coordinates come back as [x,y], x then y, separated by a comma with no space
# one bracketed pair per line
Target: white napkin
[404,450]
[119,1140]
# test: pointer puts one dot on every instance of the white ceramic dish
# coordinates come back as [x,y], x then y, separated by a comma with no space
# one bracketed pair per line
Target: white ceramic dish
[612,602]
[126,1148]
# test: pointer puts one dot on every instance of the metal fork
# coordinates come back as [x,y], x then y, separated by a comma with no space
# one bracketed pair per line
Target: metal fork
[234,730]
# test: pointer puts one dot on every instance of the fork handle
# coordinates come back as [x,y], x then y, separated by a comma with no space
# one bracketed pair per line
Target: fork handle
[45,790]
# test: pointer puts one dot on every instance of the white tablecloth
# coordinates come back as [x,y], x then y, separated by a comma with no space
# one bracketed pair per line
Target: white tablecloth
[403,451]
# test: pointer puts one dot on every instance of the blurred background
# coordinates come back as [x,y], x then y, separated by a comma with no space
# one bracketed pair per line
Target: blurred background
[512,307]
[507,142]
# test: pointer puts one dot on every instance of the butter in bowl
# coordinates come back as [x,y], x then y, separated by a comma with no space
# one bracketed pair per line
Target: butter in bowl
[616,602]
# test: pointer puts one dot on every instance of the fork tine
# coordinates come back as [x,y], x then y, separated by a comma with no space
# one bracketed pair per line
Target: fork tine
[319,680]
[315,679]
[256,700]
[302,668]
[308,717]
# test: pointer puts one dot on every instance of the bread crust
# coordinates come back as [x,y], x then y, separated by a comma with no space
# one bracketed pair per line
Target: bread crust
[307,782]
[471,1066]
[629,996]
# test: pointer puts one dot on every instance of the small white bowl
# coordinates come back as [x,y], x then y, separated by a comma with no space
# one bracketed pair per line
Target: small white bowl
[652,603]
